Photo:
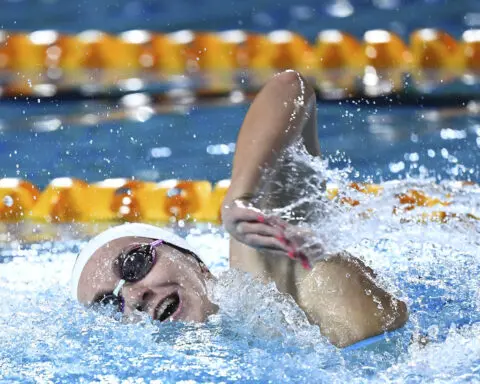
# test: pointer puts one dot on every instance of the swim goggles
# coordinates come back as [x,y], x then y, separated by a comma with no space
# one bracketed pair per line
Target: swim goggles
[134,264]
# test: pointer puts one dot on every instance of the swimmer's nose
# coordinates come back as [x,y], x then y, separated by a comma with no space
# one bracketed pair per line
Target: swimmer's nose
[138,297]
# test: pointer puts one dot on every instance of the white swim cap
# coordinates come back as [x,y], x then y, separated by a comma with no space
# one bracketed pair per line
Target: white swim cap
[125,230]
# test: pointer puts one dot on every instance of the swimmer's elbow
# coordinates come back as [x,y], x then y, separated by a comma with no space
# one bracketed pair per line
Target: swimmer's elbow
[396,318]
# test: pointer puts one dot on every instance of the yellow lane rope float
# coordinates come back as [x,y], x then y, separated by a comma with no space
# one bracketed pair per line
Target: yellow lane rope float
[43,63]
[68,200]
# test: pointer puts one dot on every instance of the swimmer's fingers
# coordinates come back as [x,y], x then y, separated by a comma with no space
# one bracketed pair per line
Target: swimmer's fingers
[300,237]
[246,227]
[266,243]
[291,254]
[242,210]
[233,214]
[276,253]
[276,222]
[277,247]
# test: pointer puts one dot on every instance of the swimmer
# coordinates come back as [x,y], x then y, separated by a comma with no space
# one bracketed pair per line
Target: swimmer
[146,268]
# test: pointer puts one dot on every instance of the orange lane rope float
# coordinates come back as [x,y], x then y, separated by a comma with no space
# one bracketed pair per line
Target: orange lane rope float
[68,200]
[46,63]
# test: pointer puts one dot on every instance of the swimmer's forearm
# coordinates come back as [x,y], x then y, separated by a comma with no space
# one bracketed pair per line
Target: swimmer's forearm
[274,121]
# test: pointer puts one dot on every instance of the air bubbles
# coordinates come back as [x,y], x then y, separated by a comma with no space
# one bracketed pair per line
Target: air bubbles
[8,201]
[47,124]
[340,8]
[135,100]
[386,4]
[396,167]
[126,200]
[44,90]
[302,12]
[413,157]
[133,84]
[237,97]
[160,152]
[141,114]
[263,19]
[453,134]
[221,149]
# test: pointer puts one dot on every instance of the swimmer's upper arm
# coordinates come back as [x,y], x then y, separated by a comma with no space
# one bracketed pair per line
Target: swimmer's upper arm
[342,297]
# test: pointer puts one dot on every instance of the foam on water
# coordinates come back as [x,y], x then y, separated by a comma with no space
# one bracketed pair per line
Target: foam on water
[260,334]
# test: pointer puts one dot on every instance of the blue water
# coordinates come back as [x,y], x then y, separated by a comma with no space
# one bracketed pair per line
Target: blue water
[259,335]
[306,17]
[40,141]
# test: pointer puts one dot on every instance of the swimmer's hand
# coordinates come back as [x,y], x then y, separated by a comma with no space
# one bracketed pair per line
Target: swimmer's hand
[250,226]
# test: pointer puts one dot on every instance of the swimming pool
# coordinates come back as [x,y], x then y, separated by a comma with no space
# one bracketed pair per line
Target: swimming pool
[259,335]
[95,140]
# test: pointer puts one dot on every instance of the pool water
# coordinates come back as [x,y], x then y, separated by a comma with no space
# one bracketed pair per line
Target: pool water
[96,140]
[259,335]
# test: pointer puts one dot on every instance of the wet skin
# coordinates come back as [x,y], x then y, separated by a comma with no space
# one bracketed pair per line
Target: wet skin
[173,273]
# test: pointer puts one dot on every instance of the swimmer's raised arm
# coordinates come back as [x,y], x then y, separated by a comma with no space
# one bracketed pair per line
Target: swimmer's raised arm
[340,293]
[283,110]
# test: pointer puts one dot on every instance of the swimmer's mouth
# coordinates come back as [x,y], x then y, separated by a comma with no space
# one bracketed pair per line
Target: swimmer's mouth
[167,307]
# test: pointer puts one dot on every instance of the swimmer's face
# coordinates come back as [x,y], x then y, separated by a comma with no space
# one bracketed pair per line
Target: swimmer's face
[173,289]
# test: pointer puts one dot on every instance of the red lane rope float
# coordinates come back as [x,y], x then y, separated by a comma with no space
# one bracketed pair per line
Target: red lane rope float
[67,200]
[44,62]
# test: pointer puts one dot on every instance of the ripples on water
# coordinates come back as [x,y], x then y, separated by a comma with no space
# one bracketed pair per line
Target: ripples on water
[260,334]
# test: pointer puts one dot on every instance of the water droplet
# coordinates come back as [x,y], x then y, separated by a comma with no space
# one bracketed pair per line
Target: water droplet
[8,201]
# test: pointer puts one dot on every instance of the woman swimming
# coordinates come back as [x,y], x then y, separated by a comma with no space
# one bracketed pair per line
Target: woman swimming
[146,268]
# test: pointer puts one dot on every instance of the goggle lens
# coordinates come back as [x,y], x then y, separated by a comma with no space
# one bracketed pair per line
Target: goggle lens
[136,263]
